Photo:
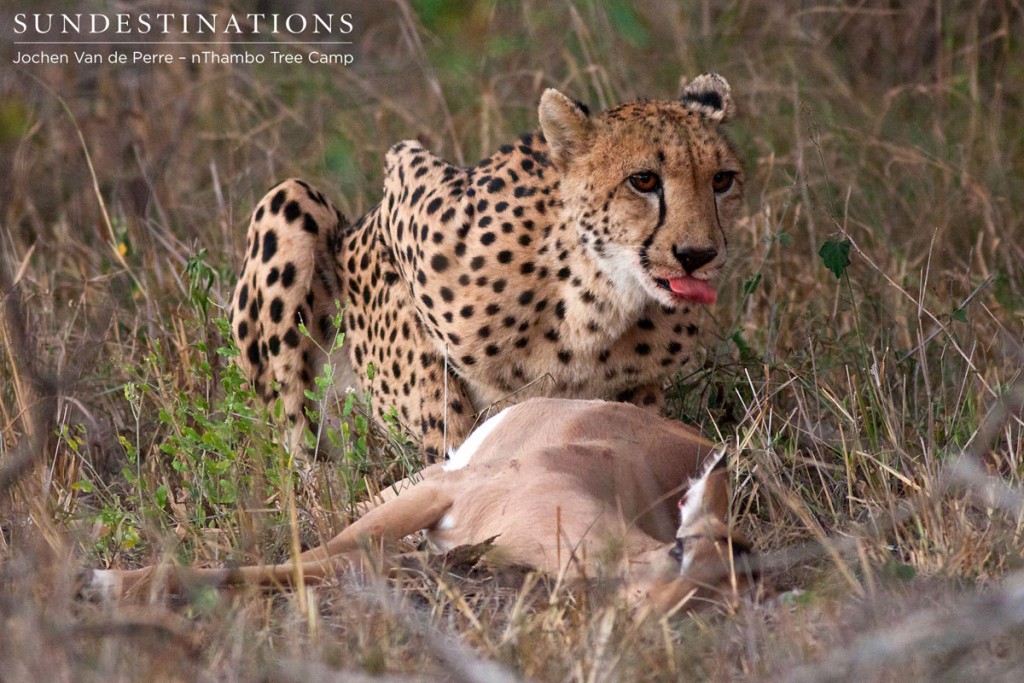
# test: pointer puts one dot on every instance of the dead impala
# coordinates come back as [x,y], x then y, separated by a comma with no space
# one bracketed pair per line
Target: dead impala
[580,489]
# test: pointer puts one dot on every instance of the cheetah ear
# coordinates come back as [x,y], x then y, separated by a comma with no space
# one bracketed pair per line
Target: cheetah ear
[566,126]
[709,95]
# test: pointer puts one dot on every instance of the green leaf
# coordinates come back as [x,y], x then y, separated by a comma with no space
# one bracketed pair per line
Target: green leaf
[836,256]
[746,352]
[751,284]
[161,496]
[350,403]
[899,570]
[959,314]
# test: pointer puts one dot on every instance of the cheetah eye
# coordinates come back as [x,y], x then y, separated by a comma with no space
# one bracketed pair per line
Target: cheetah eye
[645,182]
[722,181]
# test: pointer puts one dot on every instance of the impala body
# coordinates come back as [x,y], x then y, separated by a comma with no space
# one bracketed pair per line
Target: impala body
[572,488]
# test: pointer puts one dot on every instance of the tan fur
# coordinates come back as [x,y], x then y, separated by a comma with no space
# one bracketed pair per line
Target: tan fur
[582,489]
[541,271]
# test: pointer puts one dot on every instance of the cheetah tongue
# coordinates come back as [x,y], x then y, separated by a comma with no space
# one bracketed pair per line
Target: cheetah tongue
[692,289]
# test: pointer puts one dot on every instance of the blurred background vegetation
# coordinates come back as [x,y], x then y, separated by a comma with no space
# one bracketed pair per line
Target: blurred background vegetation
[895,127]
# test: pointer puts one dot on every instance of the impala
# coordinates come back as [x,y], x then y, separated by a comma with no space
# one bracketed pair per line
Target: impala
[575,489]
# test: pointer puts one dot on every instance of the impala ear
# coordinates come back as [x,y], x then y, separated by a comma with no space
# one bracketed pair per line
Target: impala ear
[709,95]
[566,125]
[708,494]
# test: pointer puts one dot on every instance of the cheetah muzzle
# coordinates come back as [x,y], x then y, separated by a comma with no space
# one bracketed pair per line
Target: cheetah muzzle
[570,263]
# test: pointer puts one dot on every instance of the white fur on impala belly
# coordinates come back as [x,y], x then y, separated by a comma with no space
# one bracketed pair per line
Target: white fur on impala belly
[104,583]
[459,458]
[436,536]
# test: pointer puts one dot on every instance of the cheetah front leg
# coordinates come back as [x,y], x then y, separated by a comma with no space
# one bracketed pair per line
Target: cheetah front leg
[409,375]
[447,414]
[427,399]
[289,277]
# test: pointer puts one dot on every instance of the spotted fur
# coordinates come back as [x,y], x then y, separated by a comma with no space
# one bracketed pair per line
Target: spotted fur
[569,263]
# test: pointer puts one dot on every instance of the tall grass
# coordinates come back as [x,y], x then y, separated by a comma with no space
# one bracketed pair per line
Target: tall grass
[876,406]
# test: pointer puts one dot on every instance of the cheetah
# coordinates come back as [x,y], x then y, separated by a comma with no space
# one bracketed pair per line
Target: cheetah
[570,263]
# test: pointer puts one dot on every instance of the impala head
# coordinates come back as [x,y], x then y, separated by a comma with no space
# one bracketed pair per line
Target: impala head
[706,550]
[651,187]
[703,513]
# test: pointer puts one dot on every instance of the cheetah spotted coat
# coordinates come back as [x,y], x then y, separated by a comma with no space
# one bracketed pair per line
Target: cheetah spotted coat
[569,263]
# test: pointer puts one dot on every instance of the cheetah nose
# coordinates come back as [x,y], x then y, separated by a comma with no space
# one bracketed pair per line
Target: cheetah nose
[692,259]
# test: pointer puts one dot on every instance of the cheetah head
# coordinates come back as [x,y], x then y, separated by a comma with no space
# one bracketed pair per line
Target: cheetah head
[652,188]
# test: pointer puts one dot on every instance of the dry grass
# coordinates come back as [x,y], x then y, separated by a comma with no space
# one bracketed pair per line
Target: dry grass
[878,415]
